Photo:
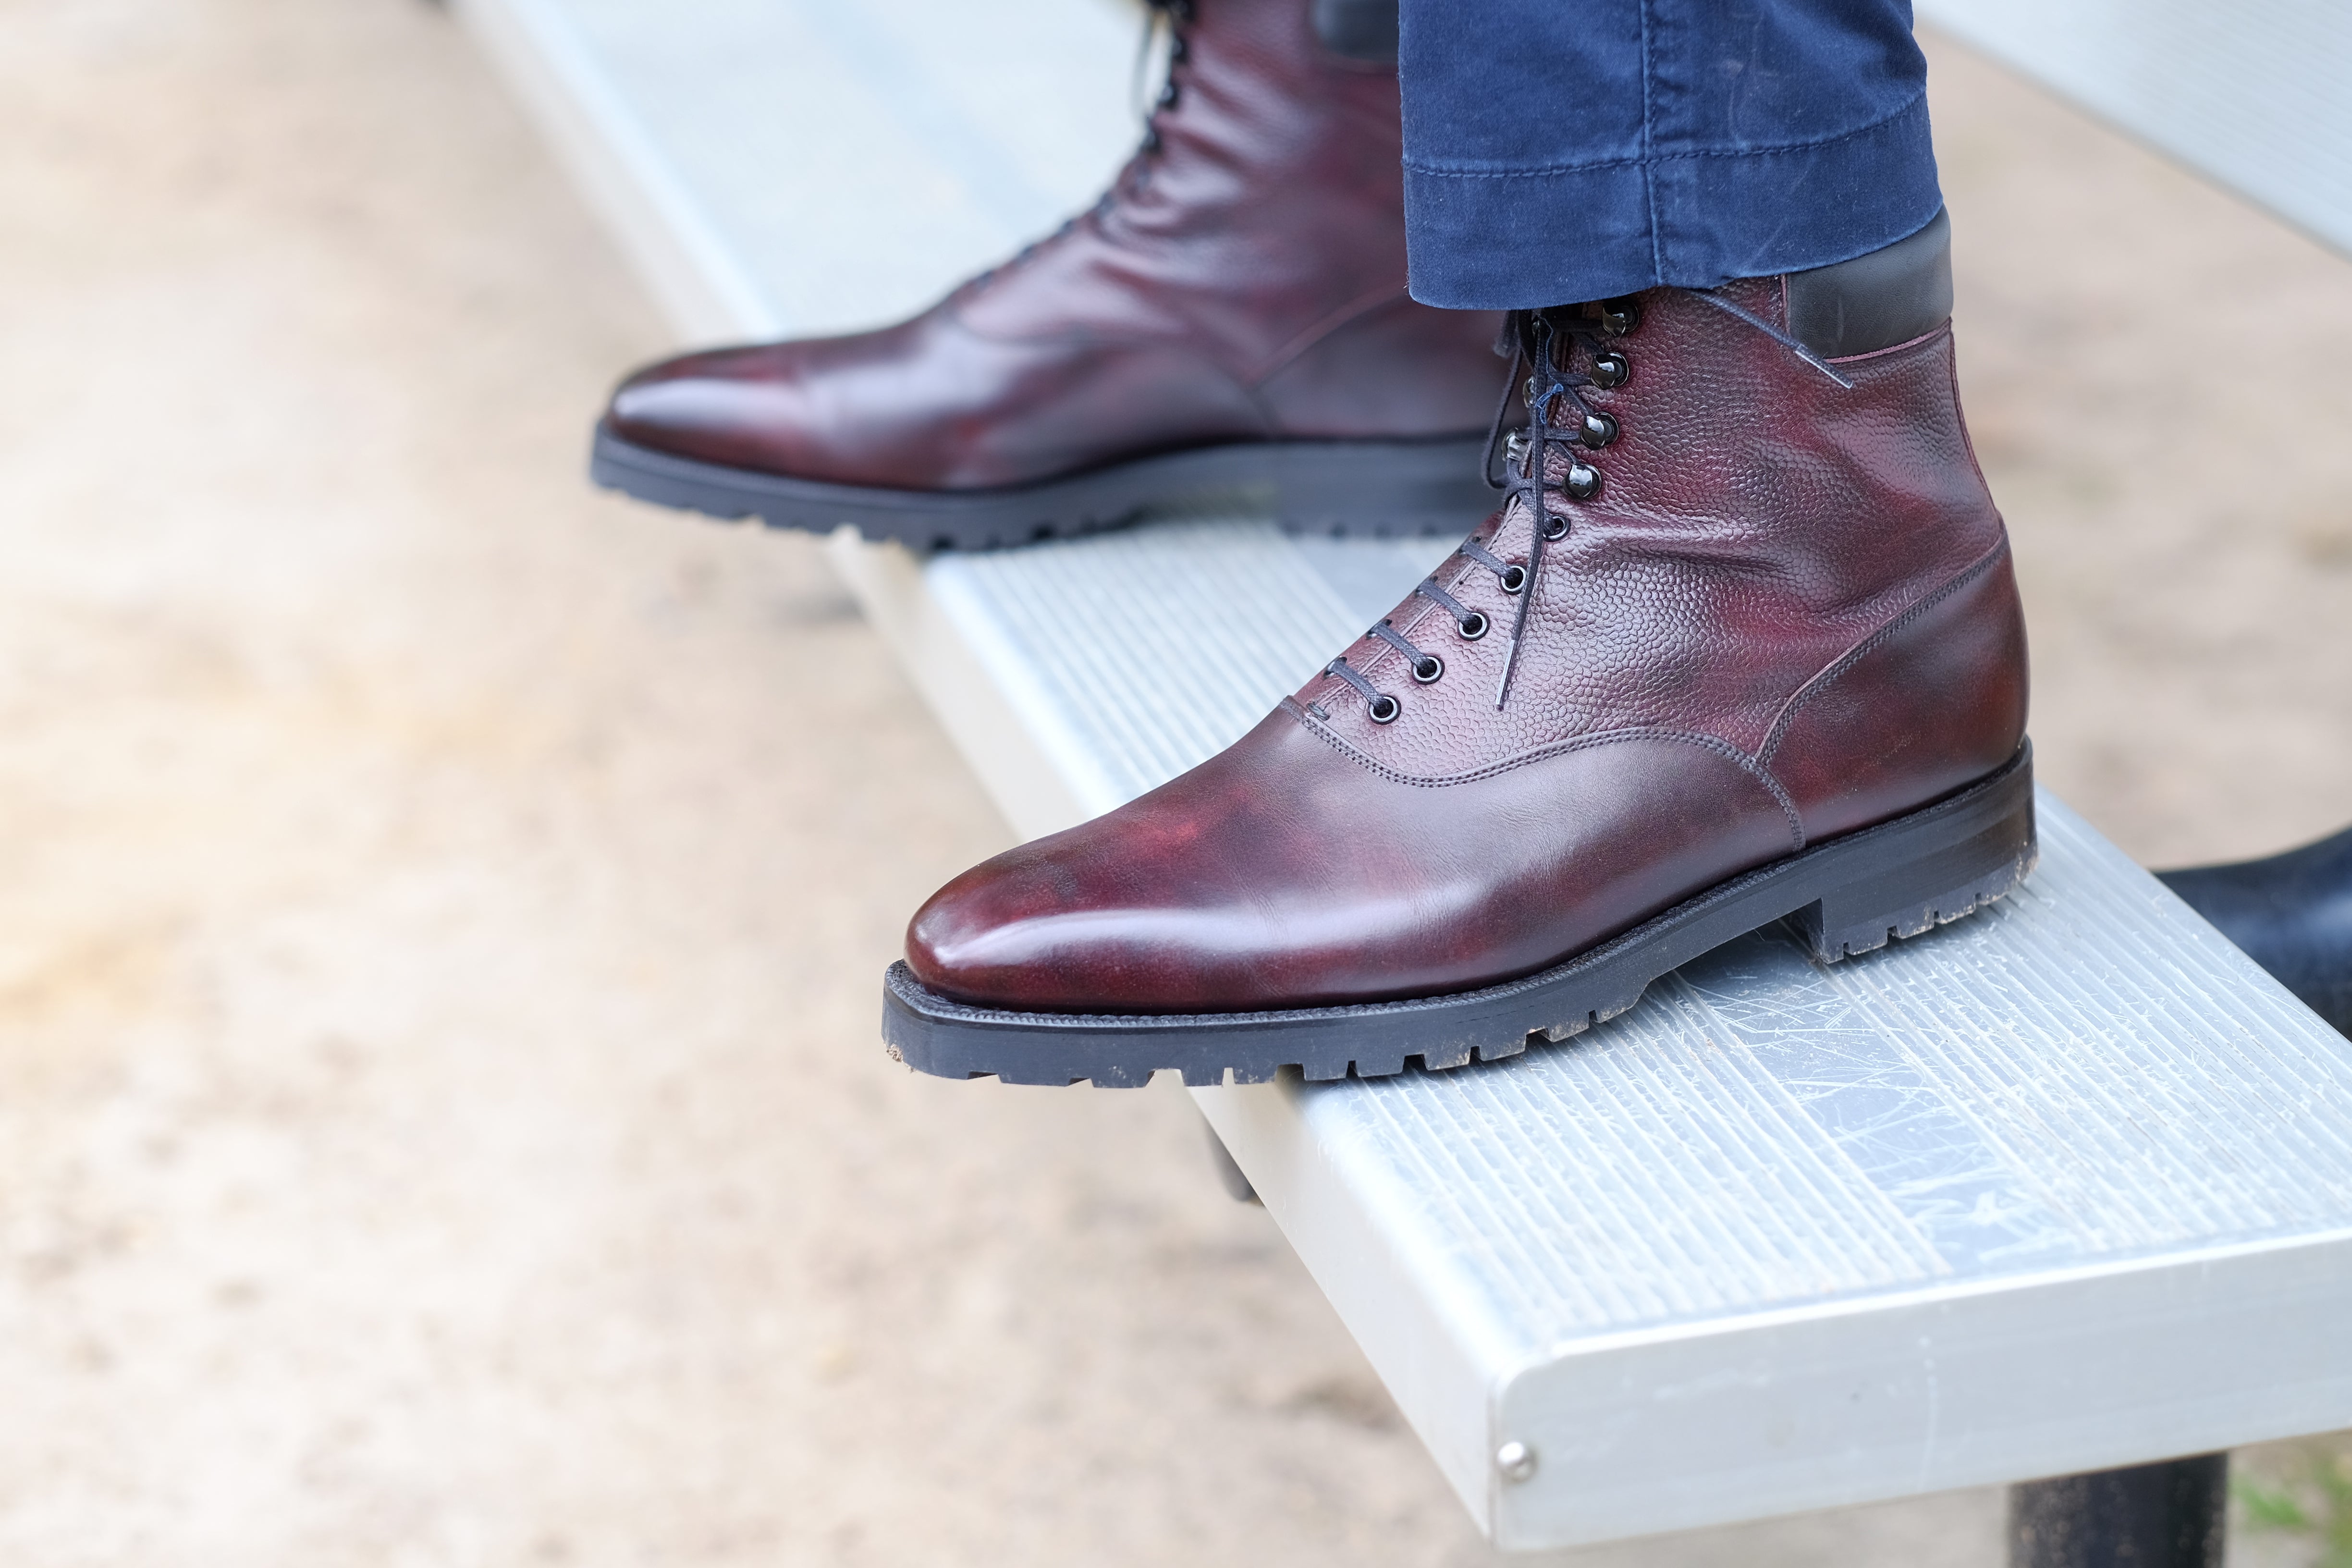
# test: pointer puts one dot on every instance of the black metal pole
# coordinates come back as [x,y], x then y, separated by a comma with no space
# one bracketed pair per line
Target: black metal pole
[2167,1515]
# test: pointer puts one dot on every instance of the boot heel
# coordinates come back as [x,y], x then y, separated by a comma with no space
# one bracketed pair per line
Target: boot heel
[1932,867]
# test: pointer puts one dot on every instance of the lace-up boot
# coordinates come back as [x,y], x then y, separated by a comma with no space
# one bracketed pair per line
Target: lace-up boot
[1230,321]
[1742,644]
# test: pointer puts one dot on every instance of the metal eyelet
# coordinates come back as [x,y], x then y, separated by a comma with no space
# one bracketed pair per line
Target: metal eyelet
[1383,709]
[1555,526]
[1429,668]
[1168,96]
[1583,482]
[1472,627]
[1599,429]
[1619,317]
[1610,370]
[1513,578]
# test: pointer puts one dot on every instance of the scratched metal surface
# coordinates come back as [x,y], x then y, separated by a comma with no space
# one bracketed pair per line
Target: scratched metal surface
[2065,1185]
[2083,1074]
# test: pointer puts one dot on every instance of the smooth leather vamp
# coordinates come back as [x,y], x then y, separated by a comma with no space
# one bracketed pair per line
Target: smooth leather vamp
[921,406]
[1285,872]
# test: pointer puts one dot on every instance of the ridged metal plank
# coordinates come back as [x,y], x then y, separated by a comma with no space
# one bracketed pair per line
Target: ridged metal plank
[2084,1077]
[1820,1129]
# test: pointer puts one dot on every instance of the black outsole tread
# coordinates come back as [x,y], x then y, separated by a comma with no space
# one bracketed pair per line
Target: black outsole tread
[1379,490]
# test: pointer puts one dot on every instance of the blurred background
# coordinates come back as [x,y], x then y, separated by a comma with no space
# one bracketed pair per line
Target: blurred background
[441,1114]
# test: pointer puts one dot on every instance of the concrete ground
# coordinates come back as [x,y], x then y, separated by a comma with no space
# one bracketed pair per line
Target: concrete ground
[441,1120]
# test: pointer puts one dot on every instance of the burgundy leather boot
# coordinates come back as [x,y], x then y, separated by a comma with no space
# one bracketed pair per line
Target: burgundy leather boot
[1742,644]
[1230,323]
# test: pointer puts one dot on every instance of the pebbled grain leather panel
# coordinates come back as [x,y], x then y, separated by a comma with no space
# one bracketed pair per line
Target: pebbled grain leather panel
[1755,521]
[1935,701]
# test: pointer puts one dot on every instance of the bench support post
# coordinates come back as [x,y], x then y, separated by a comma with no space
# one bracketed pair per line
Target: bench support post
[2166,1515]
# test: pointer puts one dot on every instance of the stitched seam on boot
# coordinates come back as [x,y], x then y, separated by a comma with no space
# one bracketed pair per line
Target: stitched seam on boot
[1933,333]
[1321,328]
[1854,655]
[1716,743]
[1968,441]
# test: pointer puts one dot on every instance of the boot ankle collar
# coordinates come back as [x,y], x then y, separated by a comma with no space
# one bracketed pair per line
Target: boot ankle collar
[1875,301]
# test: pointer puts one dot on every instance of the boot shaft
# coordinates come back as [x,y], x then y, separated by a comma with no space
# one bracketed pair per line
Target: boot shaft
[1753,528]
[1256,103]
[1265,208]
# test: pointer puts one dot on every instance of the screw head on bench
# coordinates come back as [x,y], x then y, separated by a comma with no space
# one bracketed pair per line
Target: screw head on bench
[1516,1460]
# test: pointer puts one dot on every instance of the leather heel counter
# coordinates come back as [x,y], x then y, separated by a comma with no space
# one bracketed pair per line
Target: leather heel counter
[1400,368]
[1932,701]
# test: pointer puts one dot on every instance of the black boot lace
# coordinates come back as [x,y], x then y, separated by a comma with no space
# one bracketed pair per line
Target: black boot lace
[1548,344]
[1558,416]
[1176,15]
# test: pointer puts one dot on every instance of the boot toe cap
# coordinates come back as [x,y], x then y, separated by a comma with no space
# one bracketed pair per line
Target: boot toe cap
[981,942]
[1038,931]
[739,407]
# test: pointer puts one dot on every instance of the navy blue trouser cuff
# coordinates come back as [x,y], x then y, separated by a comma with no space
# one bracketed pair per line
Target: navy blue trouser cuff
[1564,152]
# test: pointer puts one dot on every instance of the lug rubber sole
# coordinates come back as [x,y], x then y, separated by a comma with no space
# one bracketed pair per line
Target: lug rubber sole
[1378,489]
[1847,895]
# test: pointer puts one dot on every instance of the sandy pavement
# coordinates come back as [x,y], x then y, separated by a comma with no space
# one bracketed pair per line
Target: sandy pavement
[441,1120]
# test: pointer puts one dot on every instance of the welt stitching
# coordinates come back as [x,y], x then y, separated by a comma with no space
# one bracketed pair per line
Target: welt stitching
[1853,655]
[1721,747]
[1421,166]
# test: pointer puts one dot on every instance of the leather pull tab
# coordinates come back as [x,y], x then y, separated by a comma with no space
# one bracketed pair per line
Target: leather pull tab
[1359,29]
[1877,301]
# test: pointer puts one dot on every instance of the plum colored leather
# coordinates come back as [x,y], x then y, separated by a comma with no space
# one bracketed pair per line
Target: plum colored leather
[1245,281]
[1788,614]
